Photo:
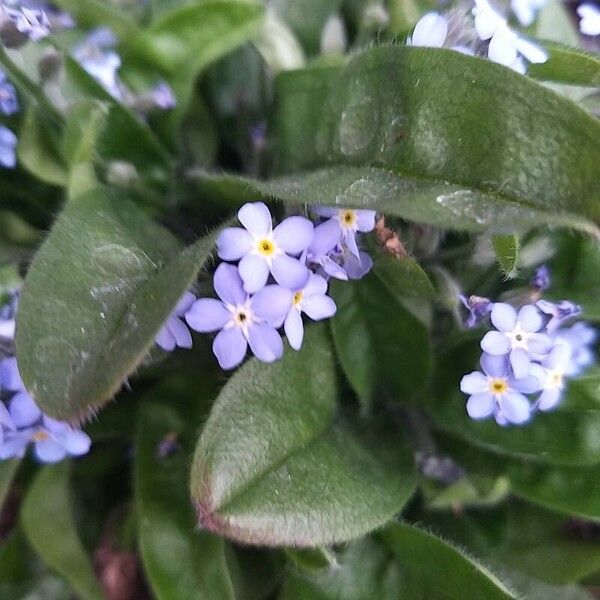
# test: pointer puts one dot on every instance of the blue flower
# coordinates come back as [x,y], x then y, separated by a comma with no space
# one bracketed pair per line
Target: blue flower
[8,143]
[551,373]
[9,104]
[22,23]
[262,250]
[580,338]
[541,279]
[479,308]
[517,336]
[174,333]
[558,312]
[496,392]
[241,319]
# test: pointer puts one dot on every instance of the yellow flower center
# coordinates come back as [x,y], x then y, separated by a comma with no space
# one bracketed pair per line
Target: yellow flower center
[347,218]
[265,247]
[40,436]
[498,386]
[297,298]
[556,378]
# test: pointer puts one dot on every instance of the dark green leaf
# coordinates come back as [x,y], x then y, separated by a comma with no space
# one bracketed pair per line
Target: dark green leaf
[506,249]
[568,65]
[423,114]
[436,569]
[181,562]
[272,467]
[47,520]
[96,295]
[383,348]
[8,468]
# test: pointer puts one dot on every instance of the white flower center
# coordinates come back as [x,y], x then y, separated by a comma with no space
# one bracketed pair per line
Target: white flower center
[519,338]
[241,316]
[348,219]
[555,379]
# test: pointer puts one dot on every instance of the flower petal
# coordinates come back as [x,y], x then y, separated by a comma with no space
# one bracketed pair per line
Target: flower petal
[265,342]
[520,362]
[530,384]
[357,268]
[365,219]
[532,52]
[289,272]
[23,410]
[207,314]
[515,407]
[272,303]
[502,49]
[165,339]
[350,241]
[256,218]
[549,399]
[230,347]
[9,375]
[326,236]
[319,307]
[182,335]
[494,342]
[228,284]
[233,243]
[5,419]
[560,356]
[494,366]
[254,272]
[480,406]
[530,318]
[184,303]
[76,442]
[294,329]
[316,286]
[294,234]
[49,451]
[503,316]
[430,31]
[474,383]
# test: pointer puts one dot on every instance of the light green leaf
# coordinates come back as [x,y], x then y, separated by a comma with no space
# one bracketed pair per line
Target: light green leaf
[47,520]
[95,297]
[181,562]
[383,348]
[274,467]
[554,23]
[568,65]
[434,568]
[422,115]
[506,248]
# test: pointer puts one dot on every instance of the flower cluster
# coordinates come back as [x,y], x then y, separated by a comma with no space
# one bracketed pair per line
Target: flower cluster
[527,357]
[487,34]
[21,421]
[279,274]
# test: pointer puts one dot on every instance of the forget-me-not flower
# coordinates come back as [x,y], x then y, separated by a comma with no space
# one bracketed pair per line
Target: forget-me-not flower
[551,373]
[8,148]
[240,319]
[262,250]
[541,279]
[496,392]
[517,336]
[558,312]
[580,338]
[479,308]
[174,333]
[9,104]
[589,15]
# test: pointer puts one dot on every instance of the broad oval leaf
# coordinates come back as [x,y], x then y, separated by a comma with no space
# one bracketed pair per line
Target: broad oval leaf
[181,562]
[423,114]
[96,295]
[47,519]
[272,467]
[383,348]
[436,569]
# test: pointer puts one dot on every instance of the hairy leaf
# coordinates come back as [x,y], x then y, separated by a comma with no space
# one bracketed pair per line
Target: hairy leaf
[568,65]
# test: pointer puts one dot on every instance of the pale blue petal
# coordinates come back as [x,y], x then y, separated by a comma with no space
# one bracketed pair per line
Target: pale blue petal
[5,418]
[294,329]
[254,272]
[520,362]
[350,240]
[318,307]
[207,314]
[233,243]
[180,332]
[503,316]
[515,407]
[9,375]
[316,286]
[539,343]
[326,236]
[528,384]
[530,318]
[294,234]
[23,410]
[480,406]
[430,31]
[474,383]
[289,272]
[493,366]
[272,303]
[549,399]
[326,211]
[165,339]
[560,356]
[365,220]
[76,442]
[332,269]
[49,451]
[256,218]
[230,347]
[184,304]
[494,342]
[228,284]
[265,342]
[357,268]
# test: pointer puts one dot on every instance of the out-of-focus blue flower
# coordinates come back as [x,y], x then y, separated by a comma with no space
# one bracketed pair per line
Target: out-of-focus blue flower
[517,336]
[262,250]
[174,332]
[580,338]
[241,319]
[20,22]
[541,279]
[479,308]
[96,55]
[551,373]
[558,312]
[163,96]
[496,392]
[589,15]
[8,148]
[9,104]
[10,379]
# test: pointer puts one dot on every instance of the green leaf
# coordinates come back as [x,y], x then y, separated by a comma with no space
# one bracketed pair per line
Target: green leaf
[181,562]
[190,37]
[274,467]
[47,520]
[8,469]
[434,568]
[568,65]
[38,149]
[438,203]
[383,348]
[95,297]
[506,248]
[422,115]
